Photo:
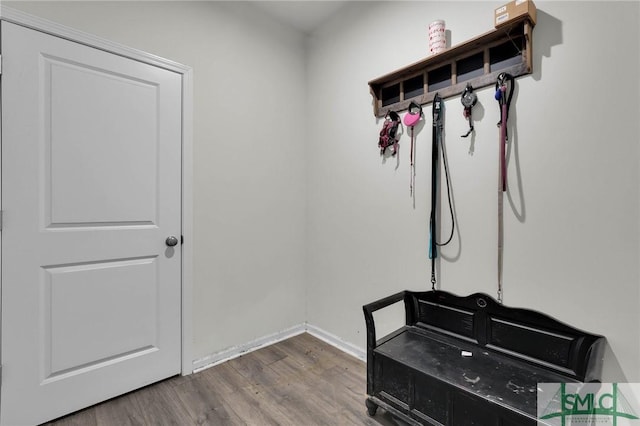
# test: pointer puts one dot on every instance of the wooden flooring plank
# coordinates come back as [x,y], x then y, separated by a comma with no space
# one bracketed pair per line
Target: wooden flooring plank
[237,395]
[269,354]
[160,405]
[224,376]
[124,410]
[299,381]
[297,401]
[255,409]
[204,402]
[313,354]
[86,417]
[252,369]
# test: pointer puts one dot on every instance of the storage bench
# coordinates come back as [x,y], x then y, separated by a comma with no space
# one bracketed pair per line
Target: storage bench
[462,361]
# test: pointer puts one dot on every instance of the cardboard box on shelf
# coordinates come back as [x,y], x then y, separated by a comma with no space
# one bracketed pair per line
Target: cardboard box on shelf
[513,11]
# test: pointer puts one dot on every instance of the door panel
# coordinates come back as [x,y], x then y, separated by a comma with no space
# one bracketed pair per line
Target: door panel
[86,335]
[110,141]
[91,178]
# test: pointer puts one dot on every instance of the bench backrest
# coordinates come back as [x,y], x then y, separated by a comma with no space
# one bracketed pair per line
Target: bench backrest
[520,333]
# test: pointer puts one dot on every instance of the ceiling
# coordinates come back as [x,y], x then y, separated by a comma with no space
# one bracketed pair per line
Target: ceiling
[304,16]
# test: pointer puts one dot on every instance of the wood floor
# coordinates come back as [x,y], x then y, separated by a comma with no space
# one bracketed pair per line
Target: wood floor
[301,381]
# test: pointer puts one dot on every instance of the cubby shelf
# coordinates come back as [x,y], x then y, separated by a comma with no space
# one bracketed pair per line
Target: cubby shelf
[478,62]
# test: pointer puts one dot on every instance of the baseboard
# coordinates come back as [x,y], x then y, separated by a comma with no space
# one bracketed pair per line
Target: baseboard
[236,351]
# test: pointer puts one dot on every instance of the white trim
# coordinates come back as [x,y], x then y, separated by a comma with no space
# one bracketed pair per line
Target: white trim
[262,342]
[337,342]
[43,25]
[17,17]
[236,351]
[187,221]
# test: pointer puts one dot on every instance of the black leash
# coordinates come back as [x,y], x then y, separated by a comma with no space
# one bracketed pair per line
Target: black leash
[437,142]
[435,135]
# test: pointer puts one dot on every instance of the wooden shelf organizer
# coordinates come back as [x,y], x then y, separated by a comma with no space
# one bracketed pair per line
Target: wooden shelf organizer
[478,62]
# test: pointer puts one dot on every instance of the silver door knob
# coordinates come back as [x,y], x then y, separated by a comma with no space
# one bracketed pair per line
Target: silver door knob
[171,241]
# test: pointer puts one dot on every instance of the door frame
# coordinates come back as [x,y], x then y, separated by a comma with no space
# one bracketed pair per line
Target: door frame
[45,26]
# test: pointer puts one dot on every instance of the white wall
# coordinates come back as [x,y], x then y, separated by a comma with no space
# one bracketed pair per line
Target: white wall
[249,179]
[571,244]
[571,219]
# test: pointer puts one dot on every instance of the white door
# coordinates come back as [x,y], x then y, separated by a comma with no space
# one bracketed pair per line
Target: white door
[91,178]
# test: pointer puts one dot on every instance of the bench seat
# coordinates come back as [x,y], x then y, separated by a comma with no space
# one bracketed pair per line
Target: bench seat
[471,361]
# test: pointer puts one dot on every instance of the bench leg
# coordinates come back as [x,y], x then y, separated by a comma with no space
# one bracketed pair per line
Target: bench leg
[372,407]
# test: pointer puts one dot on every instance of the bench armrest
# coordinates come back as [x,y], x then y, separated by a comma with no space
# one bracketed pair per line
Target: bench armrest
[376,306]
[371,330]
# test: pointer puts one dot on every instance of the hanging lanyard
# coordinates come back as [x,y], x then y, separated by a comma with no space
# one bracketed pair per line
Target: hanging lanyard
[504,102]
[468,99]
[435,140]
[411,120]
[436,146]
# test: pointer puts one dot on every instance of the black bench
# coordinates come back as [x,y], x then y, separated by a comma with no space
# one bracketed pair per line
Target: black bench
[463,361]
